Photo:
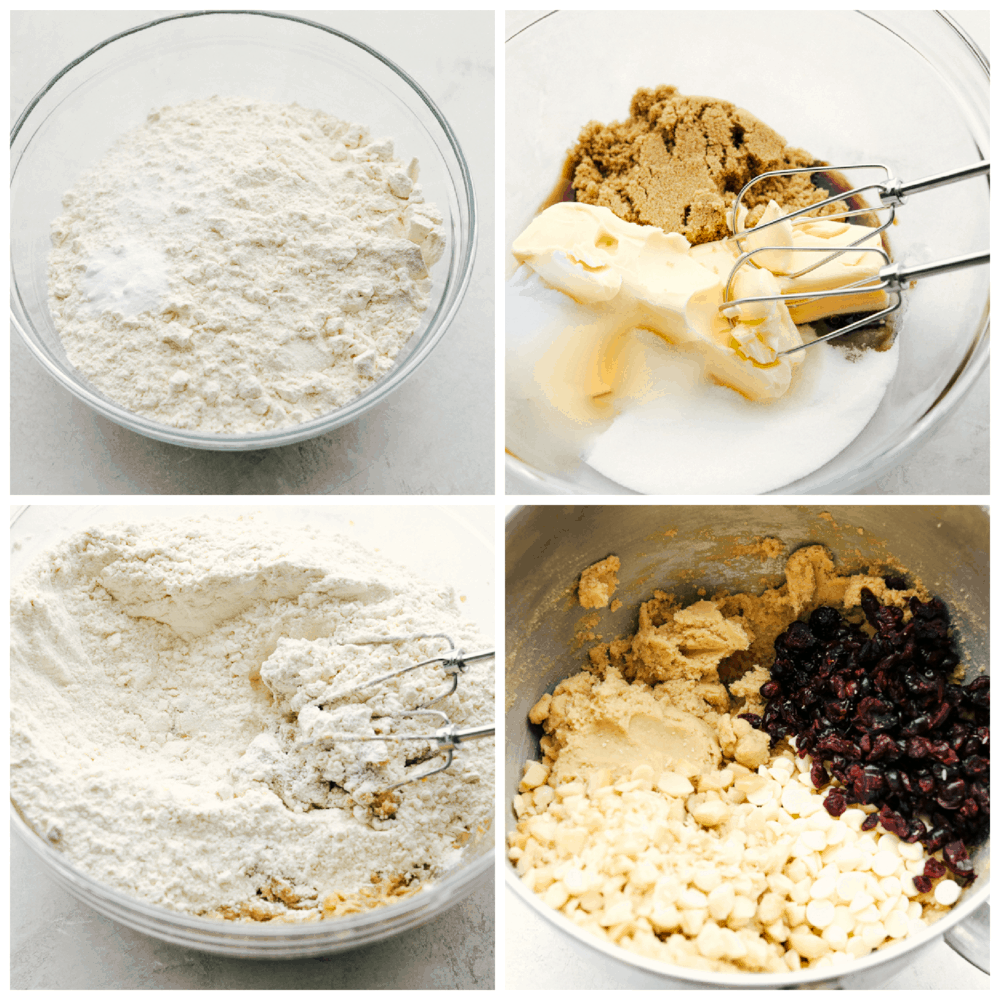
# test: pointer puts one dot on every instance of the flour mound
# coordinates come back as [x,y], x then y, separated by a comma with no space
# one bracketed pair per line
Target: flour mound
[236,266]
[172,688]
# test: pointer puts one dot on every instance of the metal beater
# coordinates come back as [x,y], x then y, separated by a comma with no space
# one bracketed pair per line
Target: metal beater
[891,278]
[448,735]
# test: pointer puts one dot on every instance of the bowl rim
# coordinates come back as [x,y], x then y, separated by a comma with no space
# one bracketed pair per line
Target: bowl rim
[968,370]
[331,930]
[438,323]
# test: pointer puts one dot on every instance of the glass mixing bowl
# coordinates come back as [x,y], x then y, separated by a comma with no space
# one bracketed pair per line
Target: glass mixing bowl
[908,89]
[947,547]
[439,543]
[109,90]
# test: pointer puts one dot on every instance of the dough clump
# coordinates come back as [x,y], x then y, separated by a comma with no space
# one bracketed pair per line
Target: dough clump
[599,582]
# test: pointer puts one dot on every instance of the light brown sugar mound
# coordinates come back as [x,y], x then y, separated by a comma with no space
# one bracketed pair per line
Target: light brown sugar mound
[678,162]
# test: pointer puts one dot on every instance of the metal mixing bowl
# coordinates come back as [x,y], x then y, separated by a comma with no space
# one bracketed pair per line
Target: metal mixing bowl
[548,546]
[109,90]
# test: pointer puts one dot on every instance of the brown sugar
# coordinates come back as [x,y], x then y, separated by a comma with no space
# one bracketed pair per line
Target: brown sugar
[678,162]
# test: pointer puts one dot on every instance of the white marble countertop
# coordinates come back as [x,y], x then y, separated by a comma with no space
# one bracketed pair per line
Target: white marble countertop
[434,435]
[955,458]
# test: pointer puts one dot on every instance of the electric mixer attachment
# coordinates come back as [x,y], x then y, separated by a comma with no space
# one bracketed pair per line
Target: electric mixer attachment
[447,736]
[891,277]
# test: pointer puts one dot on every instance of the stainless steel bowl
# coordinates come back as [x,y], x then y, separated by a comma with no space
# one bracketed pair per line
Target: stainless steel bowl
[546,548]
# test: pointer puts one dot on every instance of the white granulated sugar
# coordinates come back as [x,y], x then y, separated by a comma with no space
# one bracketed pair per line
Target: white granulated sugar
[236,266]
[172,685]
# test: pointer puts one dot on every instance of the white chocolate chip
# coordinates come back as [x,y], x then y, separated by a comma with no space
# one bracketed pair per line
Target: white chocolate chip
[946,892]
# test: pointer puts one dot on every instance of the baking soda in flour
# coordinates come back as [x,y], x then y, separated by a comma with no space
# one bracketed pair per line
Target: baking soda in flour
[171,685]
[236,266]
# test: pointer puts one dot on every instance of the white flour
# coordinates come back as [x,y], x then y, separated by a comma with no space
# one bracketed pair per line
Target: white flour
[147,746]
[235,266]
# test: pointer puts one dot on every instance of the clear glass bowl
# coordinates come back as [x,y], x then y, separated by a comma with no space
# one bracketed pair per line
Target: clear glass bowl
[440,543]
[109,90]
[908,89]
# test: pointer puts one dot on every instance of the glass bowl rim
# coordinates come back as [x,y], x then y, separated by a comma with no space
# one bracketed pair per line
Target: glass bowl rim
[355,407]
[333,927]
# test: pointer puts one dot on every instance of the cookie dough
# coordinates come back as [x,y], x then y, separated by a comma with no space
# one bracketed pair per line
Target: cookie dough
[593,724]
[678,162]
[599,582]
[671,694]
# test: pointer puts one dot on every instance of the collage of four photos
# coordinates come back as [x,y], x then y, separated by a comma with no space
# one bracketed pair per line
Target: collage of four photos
[256,271]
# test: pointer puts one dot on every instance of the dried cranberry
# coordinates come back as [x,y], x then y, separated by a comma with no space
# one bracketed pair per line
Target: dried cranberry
[870,822]
[880,714]
[922,883]
[894,779]
[981,794]
[918,747]
[969,810]
[943,753]
[873,713]
[870,786]
[838,745]
[799,636]
[951,795]
[957,859]
[940,716]
[884,747]
[835,804]
[825,622]
[935,838]
[934,869]
[926,783]
[955,851]
[870,606]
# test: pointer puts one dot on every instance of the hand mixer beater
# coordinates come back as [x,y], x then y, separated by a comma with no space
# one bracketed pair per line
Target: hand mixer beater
[891,278]
[447,736]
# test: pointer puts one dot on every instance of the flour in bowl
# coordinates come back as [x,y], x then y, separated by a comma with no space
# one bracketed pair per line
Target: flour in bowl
[169,682]
[236,266]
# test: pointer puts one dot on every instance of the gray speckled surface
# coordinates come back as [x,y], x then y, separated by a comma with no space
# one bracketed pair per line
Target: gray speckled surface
[58,943]
[435,435]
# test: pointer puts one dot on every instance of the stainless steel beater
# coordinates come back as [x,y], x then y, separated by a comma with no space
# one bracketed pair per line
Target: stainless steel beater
[891,278]
[448,735]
